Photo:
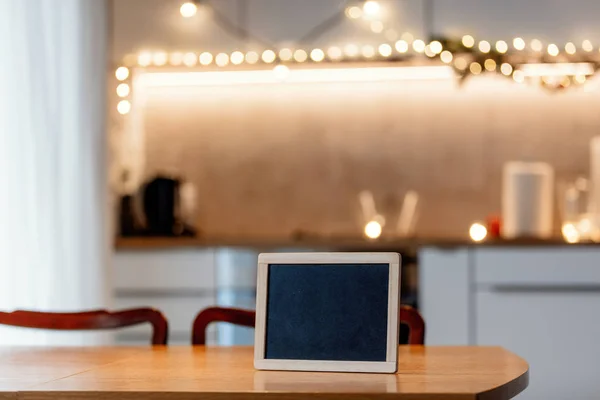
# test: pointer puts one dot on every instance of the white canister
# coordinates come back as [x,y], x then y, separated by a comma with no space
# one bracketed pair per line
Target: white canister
[527,199]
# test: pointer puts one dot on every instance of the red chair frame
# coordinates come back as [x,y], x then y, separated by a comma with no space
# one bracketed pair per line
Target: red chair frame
[408,316]
[90,320]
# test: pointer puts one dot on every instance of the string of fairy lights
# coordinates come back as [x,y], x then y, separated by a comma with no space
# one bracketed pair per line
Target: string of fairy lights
[552,66]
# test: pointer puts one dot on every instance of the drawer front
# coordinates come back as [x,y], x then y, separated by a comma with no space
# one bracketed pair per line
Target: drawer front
[164,269]
[554,268]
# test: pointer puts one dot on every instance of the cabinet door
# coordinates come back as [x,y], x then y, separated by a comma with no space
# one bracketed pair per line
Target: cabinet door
[556,329]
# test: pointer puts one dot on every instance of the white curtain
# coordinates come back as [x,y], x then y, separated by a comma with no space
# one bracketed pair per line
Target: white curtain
[54,252]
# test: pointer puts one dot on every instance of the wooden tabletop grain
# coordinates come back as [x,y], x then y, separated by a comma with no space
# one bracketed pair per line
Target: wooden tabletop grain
[215,373]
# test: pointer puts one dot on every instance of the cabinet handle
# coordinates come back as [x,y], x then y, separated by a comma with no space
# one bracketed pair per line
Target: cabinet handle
[551,288]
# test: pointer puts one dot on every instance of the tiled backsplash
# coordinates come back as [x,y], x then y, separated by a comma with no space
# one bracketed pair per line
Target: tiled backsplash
[271,159]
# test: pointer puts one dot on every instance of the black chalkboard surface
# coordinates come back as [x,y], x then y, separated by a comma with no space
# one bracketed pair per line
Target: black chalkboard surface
[327,311]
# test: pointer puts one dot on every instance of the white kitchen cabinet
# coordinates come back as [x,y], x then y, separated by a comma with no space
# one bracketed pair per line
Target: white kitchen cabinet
[542,303]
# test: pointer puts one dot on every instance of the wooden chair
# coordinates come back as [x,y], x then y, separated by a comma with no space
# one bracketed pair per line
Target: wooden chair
[90,320]
[409,317]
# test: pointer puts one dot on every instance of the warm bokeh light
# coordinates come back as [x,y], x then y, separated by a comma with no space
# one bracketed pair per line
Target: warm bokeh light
[190,59]
[385,50]
[446,57]
[317,55]
[159,59]
[237,57]
[252,57]
[418,46]
[176,59]
[461,63]
[468,41]
[553,50]
[377,26]
[300,55]
[506,69]
[334,53]
[354,12]
[123,90]
[428,52]
[477,232]
[401,46]
[536,45]
[122,73]
[519,43]
[501,46]
[222,59]
[475,68]
[144,59]
[407,37]
[124,107]
[205,58]
[371,8]
[580,79]
[570,233]
[281,72]
[490,65]
[373,229]
[286,54]
[268,56]
[570,48]
[368,51]
[188,9]
[484,46]
[587,46]
[436,47]
[519,76]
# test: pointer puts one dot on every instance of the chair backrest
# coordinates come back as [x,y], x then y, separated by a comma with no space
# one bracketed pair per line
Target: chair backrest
[90,320]
[408,317]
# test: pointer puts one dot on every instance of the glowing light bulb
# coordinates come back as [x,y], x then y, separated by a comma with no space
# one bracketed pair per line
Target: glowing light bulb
[484,46]
[536,45]
[570,233]
[475,68]
[468,41]
[123,90]
[144,59]
[354,12]
[368,51]
[222,59]
[377,26]
[553,50]
[252,57]
[300,55]
[124,107]
[519,43]
[373,229]
[334,53]
[281,72]
[122,73]
[159,59]
[188,9]
[268,56]
[190,59]
[446,57]
[587,46]
[401,46]
[176,59]
[436,47]
[506,69]
[460,63]
[519,76]
[477,232]
[237,57]
[385,50]
[501,46]
[371,8]
[570,48]
[418,46]
[205,58]
[317,55]
[490,65]
[285,54]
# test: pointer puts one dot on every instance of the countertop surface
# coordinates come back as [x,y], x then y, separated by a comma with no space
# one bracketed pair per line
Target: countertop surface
[186,372]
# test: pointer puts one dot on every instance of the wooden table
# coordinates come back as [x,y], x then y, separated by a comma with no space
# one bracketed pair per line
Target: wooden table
[214,373]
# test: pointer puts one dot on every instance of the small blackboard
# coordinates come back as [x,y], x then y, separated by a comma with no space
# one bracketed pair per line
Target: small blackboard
[327,312]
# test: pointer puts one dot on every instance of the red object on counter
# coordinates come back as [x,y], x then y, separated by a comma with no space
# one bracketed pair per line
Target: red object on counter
[493,226]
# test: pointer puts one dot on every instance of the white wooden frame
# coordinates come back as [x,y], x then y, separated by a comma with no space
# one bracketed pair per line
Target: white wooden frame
[390,365]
